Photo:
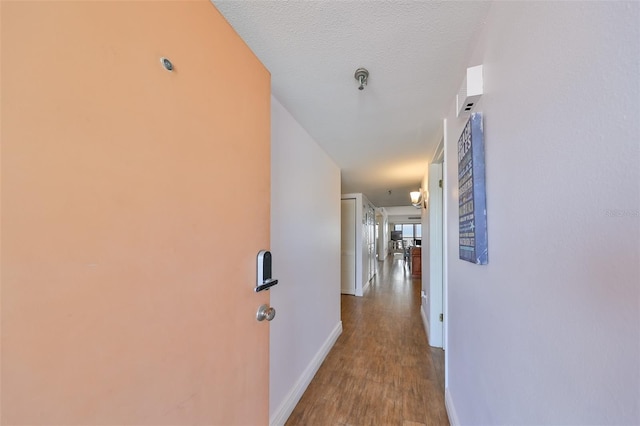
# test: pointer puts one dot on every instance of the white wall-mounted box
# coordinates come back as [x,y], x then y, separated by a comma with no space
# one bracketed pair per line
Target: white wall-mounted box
[470,91]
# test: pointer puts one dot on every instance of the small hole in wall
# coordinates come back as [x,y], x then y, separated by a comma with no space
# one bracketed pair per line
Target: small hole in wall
[166,63]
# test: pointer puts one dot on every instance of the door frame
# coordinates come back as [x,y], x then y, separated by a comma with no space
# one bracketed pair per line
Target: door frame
[445,254]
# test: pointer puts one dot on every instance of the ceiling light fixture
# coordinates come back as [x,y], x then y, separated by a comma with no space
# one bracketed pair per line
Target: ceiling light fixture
[362,75]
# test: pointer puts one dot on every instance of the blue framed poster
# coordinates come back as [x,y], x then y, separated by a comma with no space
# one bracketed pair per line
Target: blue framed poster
[472,197]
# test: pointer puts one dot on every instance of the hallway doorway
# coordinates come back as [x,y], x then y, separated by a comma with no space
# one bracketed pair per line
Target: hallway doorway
[382,369]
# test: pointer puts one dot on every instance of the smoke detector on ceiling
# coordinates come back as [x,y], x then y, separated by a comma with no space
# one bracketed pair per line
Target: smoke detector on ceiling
[470,91]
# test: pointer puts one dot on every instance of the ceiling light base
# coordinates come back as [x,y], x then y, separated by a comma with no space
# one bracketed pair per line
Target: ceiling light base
[361,75]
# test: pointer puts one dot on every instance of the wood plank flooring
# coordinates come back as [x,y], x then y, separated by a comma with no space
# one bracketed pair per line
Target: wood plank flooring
[381,371]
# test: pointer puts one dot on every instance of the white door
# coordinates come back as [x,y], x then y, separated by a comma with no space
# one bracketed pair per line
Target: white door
[372,243]
[348,250]
[436,255]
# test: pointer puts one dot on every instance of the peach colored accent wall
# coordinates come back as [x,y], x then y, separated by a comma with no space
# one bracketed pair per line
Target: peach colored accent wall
[127,281]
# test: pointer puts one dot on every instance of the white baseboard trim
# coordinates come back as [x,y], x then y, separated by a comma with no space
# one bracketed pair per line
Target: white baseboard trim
[451,411]
[425,320]
[289,403]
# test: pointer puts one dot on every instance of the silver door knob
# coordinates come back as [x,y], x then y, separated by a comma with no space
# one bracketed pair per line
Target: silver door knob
[265,312]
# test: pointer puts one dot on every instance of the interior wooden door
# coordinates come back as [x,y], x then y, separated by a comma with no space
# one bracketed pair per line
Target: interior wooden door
[134,202]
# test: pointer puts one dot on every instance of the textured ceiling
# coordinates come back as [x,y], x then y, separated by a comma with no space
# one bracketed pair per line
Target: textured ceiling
[382,137]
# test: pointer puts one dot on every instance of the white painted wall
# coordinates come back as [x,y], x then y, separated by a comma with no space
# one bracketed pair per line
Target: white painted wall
[305,243]
[401,214]
[549,331]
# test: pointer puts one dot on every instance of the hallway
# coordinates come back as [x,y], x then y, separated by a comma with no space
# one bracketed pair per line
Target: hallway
[381,370]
